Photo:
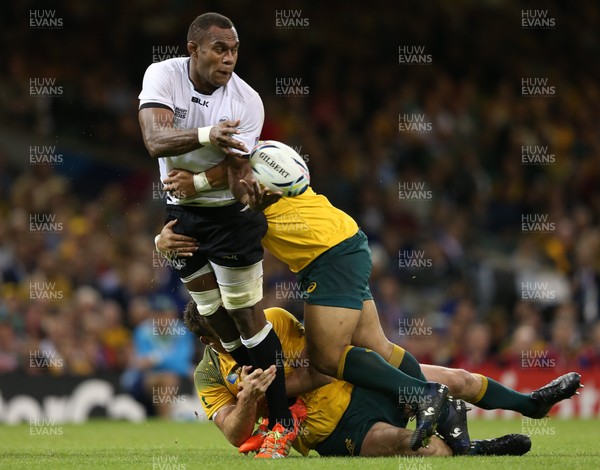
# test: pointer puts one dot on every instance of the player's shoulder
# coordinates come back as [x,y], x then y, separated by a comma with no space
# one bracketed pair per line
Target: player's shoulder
[208,372]
[240,89]
[176,65]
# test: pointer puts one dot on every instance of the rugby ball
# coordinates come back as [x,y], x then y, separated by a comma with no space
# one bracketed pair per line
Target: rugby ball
[280,168]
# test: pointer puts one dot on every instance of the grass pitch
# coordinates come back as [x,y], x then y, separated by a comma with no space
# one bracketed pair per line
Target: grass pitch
[556,444]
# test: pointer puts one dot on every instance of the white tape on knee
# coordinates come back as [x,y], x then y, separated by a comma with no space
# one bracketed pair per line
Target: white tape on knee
[240,287]
[207,302]
[242,295]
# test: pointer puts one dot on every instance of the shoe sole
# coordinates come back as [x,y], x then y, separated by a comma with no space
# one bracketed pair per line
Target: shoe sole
[421,437]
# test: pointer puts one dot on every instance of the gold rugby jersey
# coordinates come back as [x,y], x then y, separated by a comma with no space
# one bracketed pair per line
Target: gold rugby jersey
[217,377]
[303,227]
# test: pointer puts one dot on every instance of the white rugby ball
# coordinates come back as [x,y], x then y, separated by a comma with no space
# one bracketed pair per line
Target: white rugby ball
[280,168]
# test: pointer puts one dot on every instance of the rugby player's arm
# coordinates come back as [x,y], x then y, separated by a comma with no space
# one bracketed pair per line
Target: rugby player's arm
[160,138]
[182,181]
[236,421]
[163,140]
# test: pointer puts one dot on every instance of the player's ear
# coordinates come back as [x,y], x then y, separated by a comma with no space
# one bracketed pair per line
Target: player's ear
[205,340]
[192,47]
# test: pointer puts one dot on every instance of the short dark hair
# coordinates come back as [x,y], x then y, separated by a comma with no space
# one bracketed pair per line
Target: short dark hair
[202,24]
[195,322]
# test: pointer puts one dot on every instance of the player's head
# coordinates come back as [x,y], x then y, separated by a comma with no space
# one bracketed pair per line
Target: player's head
[198,325]
[213,46]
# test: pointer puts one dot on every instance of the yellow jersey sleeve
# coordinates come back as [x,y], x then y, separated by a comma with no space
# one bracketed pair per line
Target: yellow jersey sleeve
[303,227]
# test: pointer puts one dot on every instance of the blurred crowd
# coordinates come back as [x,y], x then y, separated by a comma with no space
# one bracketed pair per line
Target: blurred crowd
[78,269]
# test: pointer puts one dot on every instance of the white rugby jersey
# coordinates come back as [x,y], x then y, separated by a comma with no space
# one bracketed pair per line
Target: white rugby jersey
[168,84]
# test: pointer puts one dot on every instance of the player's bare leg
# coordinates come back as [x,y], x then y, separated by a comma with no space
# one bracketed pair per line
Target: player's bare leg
[369,333]
[218,319]
[462,384]
[329,332]
[384,440]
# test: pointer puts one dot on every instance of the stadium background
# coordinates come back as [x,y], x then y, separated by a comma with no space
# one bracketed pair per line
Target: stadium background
[483,222]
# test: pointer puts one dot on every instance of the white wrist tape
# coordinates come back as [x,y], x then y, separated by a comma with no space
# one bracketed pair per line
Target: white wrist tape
[156,242]
[204,135]
[201,182]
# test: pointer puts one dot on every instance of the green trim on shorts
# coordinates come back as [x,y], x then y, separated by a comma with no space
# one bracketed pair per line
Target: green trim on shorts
[339,277]
[366,408]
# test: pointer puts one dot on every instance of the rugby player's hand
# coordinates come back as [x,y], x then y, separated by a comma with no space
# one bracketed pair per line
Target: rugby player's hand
[259,197]
[253,385]
[221,135]
[180,183]
[173,245]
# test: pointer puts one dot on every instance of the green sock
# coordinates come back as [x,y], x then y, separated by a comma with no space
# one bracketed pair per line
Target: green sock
[406,362]
[367,369]
[494,396]
[411,366]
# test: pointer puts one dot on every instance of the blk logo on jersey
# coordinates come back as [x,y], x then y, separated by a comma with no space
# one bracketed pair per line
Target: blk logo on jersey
[199,101]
